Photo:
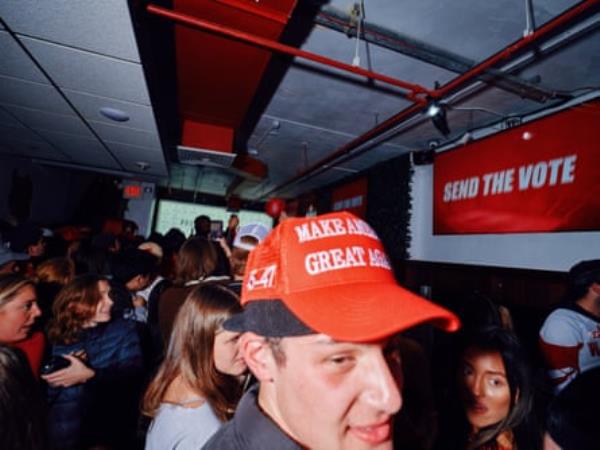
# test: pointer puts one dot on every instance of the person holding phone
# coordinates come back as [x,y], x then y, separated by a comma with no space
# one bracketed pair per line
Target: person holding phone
[93,401]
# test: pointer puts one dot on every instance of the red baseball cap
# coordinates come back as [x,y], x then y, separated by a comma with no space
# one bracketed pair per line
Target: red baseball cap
[331,272]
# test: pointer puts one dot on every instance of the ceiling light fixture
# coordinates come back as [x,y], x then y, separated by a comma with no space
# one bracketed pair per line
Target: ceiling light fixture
[274,130]
[437,113]
[114,114]
[142,165]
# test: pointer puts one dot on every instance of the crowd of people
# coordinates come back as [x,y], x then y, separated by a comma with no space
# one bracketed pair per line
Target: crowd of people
[294,338]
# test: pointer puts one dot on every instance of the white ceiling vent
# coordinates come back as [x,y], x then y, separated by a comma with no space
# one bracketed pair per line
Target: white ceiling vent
[203,157]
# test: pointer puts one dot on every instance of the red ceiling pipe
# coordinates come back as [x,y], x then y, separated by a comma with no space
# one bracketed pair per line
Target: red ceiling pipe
[415,93]
[444,90]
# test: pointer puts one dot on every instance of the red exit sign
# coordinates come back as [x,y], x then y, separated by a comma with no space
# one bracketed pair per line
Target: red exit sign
[132,191]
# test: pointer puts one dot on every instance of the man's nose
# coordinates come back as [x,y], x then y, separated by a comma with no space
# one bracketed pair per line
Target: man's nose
[382,391]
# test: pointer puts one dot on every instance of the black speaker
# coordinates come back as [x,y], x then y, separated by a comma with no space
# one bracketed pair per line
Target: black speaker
[423,157]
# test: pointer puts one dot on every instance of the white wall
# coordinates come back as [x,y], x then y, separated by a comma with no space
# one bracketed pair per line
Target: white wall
[544,251]
[140,210]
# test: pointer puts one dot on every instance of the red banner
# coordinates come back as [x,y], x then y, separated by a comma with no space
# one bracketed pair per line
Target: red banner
[351,197]
[541,176]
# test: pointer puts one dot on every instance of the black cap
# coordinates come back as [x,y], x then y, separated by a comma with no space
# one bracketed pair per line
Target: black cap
[268,318]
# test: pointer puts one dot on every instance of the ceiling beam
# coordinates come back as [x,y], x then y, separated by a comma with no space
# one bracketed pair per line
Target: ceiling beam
[549,30]
[415,92]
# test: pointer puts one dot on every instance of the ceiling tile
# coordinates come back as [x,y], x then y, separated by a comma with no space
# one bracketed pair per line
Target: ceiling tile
[32,95]
[16,63]
[140,117]
[133,153]
[19,132]
[96,159]
[129,136]
[31,145]
[7,119]
[99,26]
[42,120]
[76,146]
[88,72]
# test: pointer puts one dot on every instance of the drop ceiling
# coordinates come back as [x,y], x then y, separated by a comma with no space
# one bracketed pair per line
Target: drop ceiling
[62,61]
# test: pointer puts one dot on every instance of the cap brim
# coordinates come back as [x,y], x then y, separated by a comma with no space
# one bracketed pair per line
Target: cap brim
[270,318]
[366,311]
[235,323]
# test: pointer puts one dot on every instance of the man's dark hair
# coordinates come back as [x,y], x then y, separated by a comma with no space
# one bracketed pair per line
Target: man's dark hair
[202,226]
[581,276]
[131,263]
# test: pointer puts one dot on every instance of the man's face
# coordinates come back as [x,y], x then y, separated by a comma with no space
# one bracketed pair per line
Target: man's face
[37,249]
[331,395]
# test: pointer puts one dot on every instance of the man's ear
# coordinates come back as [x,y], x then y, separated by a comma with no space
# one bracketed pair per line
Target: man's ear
[258,356]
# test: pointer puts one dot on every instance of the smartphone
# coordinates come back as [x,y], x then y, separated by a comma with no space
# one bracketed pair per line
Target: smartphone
[55,363]
[216,229]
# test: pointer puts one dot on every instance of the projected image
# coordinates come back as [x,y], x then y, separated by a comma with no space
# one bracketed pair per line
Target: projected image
[172,214]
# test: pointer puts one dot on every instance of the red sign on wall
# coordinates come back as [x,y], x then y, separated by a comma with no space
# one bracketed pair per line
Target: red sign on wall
[541,176]
[132,191]
[351,197]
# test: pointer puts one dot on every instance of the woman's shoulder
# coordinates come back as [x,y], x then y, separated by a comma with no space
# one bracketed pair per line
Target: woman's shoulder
[181,428]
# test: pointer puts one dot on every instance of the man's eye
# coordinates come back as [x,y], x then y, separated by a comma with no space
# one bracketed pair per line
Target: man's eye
[341,360]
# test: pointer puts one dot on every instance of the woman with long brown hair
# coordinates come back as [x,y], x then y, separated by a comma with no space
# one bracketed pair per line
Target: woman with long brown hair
[199,382]
[92,400]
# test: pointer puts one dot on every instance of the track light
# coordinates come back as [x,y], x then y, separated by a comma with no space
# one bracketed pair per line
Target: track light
[437,113]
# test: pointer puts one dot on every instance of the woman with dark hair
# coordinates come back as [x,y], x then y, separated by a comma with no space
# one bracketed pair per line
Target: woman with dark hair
[22,420]
[495,396]
[18,312]
[198,384]
[93,400]
[196,262]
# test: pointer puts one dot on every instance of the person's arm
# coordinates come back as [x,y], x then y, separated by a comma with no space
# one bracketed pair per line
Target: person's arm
[560,343]
[76,373]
